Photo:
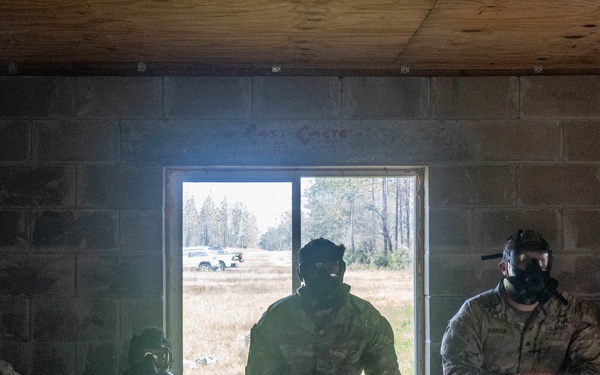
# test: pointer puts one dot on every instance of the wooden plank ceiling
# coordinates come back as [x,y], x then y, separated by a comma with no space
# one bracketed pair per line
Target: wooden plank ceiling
[346,37]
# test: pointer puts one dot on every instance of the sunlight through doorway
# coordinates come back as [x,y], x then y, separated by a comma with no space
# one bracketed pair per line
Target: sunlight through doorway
[220,305]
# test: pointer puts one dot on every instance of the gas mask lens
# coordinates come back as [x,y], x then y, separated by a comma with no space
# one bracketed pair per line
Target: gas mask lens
[332,268]
[161,357]
[521,260]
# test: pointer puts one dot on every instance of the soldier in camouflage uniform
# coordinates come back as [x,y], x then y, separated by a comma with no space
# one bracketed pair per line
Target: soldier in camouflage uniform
[523,326]
[322,328]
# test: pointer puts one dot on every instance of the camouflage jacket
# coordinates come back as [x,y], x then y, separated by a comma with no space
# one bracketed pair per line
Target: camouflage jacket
[356,337]
[487,337]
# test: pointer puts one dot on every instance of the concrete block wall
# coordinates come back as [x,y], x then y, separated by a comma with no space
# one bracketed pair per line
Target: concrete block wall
[81,184]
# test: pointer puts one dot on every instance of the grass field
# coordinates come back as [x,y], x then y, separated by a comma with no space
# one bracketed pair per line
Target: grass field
[220,308]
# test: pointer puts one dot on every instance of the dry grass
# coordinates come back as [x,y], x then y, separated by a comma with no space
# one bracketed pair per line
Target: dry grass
[220,308]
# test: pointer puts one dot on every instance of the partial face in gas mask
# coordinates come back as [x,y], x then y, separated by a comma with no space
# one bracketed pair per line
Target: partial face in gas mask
[155,361]
[321,266]
[528,278]
[325,274]
[150,353]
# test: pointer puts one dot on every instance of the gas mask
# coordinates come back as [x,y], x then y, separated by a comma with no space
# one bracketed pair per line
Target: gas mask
[529,278]
[323,282]
[150,353]
[155,361]
[327,274]
[321,269]
[529,260]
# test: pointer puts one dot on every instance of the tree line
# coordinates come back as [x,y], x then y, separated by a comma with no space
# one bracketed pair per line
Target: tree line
[372,217]
[228,225]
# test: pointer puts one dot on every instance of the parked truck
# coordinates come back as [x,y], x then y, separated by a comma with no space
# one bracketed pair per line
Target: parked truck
[199,258]
[227,259]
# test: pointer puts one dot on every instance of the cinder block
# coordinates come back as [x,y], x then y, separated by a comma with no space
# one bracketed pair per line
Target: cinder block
[335,141]
[119,97]
[461,276]
[447,141]
[416,141]
[76,140]
[100,357]
[494,226]
[559,185]
[74,319]
[37,186]
[37,275]
[138,276]
[75,230]
[98,276]
[142,275]
[308,142]
[560,96]
[577,273]
[582,230]
[120,186]
[139,313]
[434,357]
[141,232]
[474,97]
[14,319]
[411,141]
[472,186]
[385,97]
[581,140]
[450,230]
[14,140]
[441,310]
[14,231]
[296,97]
[55,358]
[36,96]
[292,142]
[187,142]
[208,97]
[513,140]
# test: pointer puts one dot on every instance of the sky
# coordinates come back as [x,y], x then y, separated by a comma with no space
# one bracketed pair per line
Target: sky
[267,200]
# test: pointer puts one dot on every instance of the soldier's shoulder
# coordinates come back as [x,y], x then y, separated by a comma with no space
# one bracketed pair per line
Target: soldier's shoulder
[281,306]
[479,304]
[284,301]
[575,306]
[363,304]
[485,299]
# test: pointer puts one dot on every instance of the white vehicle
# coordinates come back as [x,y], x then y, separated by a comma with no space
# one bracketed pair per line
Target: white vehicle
[226,259]
[199,258]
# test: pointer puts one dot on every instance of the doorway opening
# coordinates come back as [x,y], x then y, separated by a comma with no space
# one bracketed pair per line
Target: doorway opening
[255,221]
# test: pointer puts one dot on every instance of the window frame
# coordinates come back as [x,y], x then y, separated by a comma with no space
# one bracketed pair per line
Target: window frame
[175,177]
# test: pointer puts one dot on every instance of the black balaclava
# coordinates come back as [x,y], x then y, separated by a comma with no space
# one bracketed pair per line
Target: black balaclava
[532,284]
[150,353]
[321,268]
